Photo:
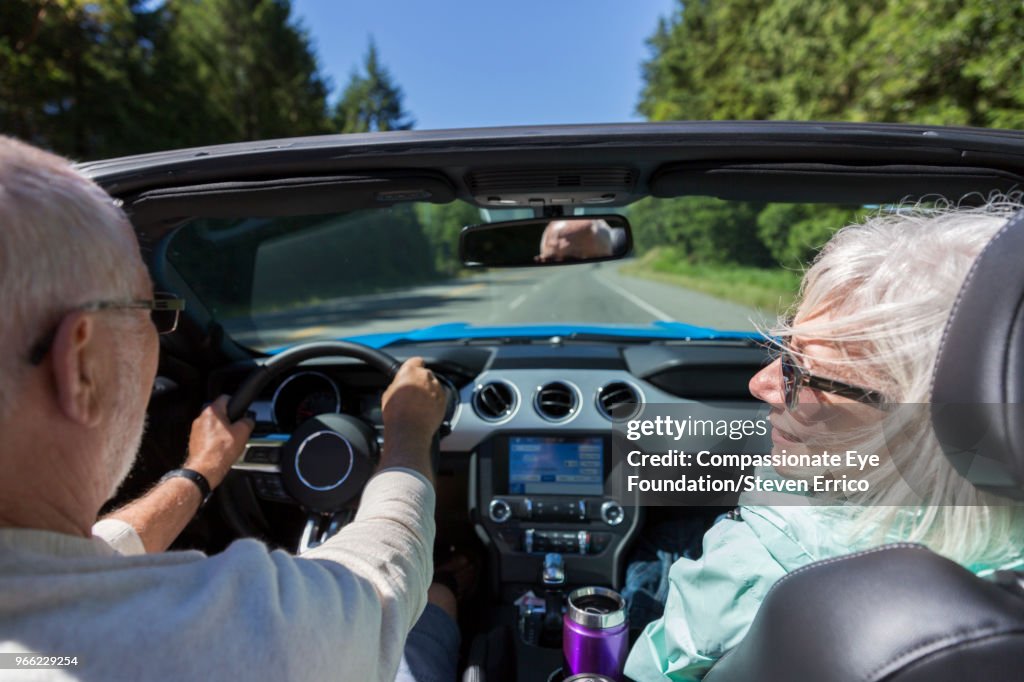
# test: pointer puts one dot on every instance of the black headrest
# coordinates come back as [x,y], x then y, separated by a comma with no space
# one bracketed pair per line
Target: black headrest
[978,387]
[895,613]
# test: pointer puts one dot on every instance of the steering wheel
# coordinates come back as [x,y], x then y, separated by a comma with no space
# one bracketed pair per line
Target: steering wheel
[328,459]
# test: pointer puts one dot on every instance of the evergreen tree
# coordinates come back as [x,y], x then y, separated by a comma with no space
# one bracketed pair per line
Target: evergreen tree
[948,62]
[371,101]
[73,74]
[99,78]
[250,72]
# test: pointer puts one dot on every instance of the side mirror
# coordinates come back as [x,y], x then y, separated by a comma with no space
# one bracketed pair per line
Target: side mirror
[523,243]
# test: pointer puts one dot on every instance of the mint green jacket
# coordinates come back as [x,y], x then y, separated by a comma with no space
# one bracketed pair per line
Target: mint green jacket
[712,601]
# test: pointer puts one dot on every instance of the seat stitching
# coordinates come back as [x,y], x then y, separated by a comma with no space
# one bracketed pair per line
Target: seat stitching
[832,560]
[1019,218]
[974,634]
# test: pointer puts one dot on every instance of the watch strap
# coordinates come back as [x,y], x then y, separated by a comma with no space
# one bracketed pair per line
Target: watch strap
[191,474]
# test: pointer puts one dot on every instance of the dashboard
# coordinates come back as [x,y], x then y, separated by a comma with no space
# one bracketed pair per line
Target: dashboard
[532,428]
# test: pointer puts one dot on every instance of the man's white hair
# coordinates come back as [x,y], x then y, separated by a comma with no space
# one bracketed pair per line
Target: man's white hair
[63,243]
[888,286]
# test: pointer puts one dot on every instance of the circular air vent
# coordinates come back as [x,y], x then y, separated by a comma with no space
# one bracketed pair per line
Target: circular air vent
[495,401]
[557,401]
[619,400]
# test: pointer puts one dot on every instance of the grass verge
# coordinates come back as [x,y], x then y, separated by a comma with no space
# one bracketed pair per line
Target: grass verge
[767,289]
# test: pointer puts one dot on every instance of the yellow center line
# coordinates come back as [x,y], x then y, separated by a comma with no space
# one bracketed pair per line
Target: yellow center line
[459,291]
[306,332]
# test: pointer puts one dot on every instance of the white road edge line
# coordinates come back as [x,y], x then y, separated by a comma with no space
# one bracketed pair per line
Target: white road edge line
[635,300]
[518,302]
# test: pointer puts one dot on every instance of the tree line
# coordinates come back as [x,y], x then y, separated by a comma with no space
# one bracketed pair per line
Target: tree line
[102,78]
[944,62]
[704,230]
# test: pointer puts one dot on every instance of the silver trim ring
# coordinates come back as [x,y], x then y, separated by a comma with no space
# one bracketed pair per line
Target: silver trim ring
[604,513]
[576,408]
[298,456]
[495,503]
[641,399]
[513,409]
[593,618]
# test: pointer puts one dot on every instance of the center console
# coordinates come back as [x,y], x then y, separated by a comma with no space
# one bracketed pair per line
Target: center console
[533,494]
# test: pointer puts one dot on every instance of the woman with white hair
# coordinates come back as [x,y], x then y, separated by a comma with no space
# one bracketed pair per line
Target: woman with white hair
[855,365]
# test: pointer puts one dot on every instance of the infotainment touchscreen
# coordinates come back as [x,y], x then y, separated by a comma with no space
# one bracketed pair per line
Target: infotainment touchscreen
[555,466]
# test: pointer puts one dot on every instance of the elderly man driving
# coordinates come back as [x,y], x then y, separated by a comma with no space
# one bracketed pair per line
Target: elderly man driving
[78,357]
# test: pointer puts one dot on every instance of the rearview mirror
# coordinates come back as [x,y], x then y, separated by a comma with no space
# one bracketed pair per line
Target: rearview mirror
[545,241]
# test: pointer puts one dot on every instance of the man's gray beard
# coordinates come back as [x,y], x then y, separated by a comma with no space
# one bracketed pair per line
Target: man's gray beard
[126,439]
[126,429]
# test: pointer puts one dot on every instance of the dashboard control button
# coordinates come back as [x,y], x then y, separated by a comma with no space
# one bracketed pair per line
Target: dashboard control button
[269,487]
[559,509]
[527,509]
[275,489]
[499,510]
[583,542]
[612,513]
[599,542]
[262,454]
[513,538]
[563,542]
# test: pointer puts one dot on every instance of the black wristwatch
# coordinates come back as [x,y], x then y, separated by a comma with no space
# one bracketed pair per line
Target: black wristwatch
[191,474]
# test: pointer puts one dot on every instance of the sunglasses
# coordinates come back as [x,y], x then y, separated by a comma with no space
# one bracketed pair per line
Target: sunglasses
[795,377]
[164,308]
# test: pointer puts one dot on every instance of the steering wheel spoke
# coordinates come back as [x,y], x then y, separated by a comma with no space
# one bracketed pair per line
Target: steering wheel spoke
[262,454]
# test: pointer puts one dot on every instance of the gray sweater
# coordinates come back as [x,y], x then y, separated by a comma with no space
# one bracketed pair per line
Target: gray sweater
[340,612]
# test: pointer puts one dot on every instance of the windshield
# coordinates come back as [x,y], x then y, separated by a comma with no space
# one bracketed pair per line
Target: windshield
[700,267]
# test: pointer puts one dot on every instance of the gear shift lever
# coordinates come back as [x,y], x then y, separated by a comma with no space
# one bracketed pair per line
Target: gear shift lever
[553,574]
[553,578]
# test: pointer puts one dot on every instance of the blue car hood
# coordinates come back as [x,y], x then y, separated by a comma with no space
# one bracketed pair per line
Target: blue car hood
[462,330]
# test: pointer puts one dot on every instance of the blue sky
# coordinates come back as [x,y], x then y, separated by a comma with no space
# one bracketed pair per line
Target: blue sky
[464,63]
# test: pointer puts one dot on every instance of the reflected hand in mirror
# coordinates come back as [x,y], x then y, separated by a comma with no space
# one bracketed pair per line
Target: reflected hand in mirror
[545,241]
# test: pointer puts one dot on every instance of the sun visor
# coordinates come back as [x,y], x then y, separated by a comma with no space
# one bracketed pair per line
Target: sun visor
[289,196]
[830,183]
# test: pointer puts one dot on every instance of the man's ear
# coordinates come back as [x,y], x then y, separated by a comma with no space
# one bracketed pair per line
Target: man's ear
[76,368]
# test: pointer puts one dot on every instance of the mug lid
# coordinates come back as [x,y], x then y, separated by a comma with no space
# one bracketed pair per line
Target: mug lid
[597,607]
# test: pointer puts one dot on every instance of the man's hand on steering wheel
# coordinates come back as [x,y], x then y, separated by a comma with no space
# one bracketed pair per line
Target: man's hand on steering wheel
[327,460]
[216,443]
[413,407]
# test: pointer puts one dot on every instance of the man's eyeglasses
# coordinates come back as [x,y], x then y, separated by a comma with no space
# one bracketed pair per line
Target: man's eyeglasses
[164,310]
[794,377]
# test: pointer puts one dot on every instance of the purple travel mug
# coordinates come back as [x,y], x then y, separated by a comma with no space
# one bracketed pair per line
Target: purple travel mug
[595,634]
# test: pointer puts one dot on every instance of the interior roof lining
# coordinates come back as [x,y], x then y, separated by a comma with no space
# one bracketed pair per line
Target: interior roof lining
[829,182]
[290,196]
[643,145]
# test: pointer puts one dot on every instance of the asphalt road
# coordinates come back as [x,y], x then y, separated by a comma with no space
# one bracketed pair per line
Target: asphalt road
[587,294]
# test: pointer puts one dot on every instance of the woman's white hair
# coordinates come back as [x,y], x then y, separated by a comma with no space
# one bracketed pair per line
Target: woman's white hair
[888,286]
[63,242]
